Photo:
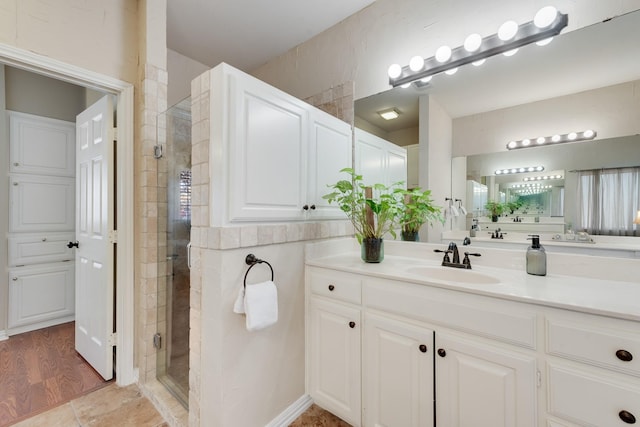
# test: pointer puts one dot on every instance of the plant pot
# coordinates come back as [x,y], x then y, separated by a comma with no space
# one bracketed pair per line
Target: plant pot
[494,218]
[372,249]
[410,236]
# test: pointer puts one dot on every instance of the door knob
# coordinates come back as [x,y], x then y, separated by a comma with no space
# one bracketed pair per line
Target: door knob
[72,244]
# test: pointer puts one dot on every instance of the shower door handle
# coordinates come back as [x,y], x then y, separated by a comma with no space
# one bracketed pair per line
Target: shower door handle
[189,255]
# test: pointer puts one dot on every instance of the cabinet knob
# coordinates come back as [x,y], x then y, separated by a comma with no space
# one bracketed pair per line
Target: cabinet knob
[16,164]
[624,355]
[442,352]
[44,239]
[305,207]
[15,279]
[331,287]
[627,417]
[15,184]
[423,348]
[352,324]
[313,207]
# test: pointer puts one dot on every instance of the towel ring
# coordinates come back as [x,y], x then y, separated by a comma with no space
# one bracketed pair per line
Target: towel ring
[251,260]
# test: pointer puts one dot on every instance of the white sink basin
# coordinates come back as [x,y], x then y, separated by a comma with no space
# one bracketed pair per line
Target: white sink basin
[454,275]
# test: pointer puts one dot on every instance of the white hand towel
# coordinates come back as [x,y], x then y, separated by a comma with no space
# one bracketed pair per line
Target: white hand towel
[238,305]
[261,305]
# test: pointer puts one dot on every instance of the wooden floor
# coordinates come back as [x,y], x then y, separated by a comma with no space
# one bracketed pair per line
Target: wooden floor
[40,370]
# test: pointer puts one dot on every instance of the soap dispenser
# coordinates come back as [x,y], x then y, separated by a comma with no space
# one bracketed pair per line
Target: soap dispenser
[536,257]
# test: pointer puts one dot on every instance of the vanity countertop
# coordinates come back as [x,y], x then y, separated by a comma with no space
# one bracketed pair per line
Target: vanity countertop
[615,298]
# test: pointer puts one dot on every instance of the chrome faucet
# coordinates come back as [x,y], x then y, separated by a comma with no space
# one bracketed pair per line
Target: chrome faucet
[453,249]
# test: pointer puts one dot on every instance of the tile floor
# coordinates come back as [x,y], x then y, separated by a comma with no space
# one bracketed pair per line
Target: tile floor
[107,407]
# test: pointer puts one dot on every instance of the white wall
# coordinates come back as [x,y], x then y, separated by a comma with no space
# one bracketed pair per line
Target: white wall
[181,71]
[97,35]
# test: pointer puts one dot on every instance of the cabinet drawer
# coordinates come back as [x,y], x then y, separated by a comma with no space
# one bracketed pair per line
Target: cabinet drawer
[592,399]
[506,321]
[332,284]
[609,347]
[40,248]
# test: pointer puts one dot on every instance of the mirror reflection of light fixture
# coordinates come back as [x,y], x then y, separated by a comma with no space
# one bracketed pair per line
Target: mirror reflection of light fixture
[519,170]
[547,23]
[637,219]
[389,113]
[587,135]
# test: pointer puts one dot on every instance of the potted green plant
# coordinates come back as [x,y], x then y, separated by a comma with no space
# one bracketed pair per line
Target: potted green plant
[418,209]
[373,211]
[495,208]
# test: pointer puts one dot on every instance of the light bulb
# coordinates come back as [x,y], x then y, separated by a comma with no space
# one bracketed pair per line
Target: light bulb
[572,136]
[507,31]
[555,138]
[426,79]
[514,170]
[541,140]
[545,16]
[539,168]
[513,144]
[472,42]
[406,85]
[531,169]
[544,42]
[521,170]
[478,63]
[451,71]
[498,172]
[588,133]
[416,63]
[511,52]
[443,54]
[526,142]
[394,71]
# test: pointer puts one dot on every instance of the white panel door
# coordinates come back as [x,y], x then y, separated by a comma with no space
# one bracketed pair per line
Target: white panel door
[268,163]
[334,365]
[397,379]
[94,221]
[370,158]
[330,151]
[482,385]
[397,165]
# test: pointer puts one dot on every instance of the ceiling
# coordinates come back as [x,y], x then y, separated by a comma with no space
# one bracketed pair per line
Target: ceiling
[249,33]
[596,56]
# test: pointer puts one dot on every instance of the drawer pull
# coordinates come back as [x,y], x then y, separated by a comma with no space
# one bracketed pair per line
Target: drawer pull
[331,287]
[352,324]
[624,355]
[627,417]
[423,348]
[442,352]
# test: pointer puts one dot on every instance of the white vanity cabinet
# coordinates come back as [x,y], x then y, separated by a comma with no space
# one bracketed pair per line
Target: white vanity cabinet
[593,372]
[470,360]
[272,155]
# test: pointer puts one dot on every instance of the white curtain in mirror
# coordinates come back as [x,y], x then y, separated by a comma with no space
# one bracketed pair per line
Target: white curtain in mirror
[608,200]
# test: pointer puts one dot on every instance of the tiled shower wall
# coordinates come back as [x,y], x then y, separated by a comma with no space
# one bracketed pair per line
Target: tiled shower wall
[337,101]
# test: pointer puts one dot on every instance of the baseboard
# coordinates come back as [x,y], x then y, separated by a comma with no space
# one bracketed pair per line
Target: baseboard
[3,335]
[290,414]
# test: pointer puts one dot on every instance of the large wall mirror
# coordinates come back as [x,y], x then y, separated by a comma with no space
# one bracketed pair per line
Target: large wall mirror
[585,79]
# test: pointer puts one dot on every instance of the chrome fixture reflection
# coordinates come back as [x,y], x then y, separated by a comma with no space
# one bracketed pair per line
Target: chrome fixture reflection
[519,170]
[586,135]
[542,178]
[548,22]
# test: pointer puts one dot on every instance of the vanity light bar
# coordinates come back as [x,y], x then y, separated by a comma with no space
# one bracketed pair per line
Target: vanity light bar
[587,135]
[542,178]
[519,170]
[547,23]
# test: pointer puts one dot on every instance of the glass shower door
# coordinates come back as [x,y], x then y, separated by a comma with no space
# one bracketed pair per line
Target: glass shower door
[174,229]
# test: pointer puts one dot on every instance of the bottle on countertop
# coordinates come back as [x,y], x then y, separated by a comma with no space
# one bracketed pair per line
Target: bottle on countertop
[536,257]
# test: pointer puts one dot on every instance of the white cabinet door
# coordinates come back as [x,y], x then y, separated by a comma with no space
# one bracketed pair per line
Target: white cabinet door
[40,293]
[330,151]
[483,385]
[397,373]
[39,248]
[41,203]
[41,146]
[413,166]
[379,161]
[334,359]
[267,152]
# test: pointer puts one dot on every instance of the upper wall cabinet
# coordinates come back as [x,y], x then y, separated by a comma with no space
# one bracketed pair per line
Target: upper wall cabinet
[271,153]
[378,160]
[41,146]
